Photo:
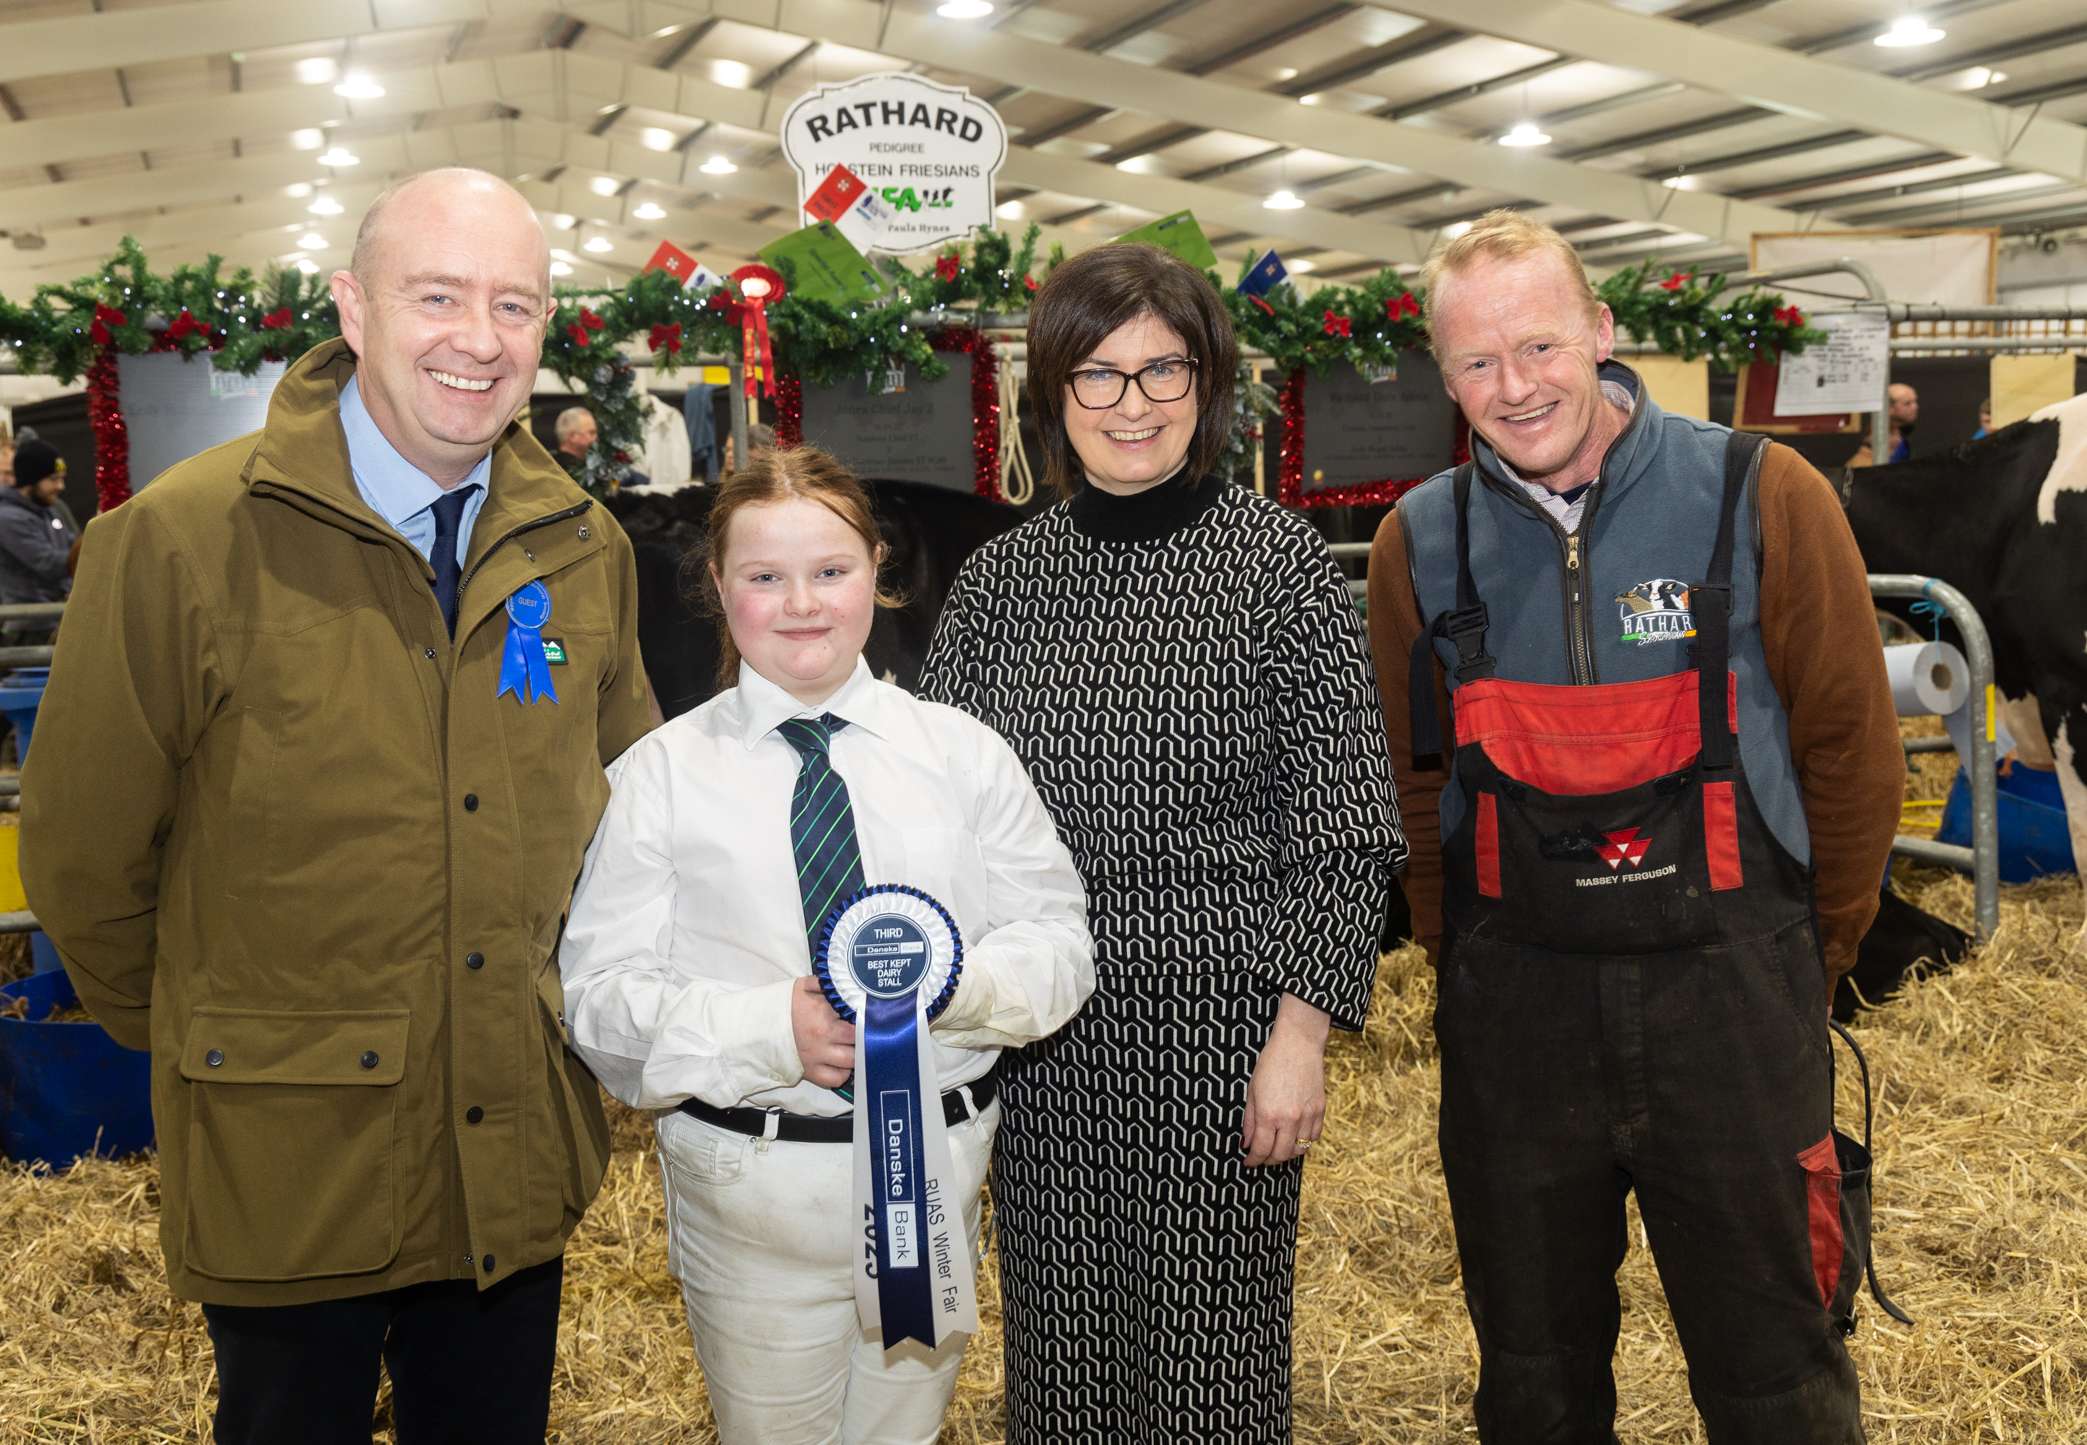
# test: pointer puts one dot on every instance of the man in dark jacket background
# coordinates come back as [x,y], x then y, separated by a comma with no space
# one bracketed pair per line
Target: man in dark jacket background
[37,532]
[305,823]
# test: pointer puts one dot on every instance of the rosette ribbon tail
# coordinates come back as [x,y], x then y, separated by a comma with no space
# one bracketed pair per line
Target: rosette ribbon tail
[524,671]
[899,1115]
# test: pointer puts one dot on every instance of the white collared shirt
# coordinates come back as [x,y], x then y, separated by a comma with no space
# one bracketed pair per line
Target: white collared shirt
[687,934]
[1567,514]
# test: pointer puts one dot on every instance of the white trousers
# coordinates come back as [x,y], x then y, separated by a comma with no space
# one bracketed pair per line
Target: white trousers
[762,1236]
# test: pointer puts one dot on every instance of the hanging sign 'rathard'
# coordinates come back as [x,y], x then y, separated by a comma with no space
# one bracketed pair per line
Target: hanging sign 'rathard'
[928,152]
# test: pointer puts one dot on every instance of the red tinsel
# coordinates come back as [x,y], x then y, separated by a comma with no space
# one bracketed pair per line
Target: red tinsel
[665,337]
[985,406]
[789,410]
[1338,325]
[1401,306]
[1678,280]
[1289,472]
[111,435]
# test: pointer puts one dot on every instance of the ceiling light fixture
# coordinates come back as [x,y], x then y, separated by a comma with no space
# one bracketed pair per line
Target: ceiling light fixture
[598,244]
[649,211]
[326,206]
[717,166]
[1978,77]
[1301,266]
[312,241]
[359,86]
[1455,229]
[735,73]
[1908,31]
[307,265]
[299,191]
[1313,99]
[318,70]
[656,139]
[1284,201]
[1525,133]
[560,268]
[307,139]
[1679,183]
[606,185]
[1136,165]
[563,220]
[1010,210]
[963,9]
[340,156]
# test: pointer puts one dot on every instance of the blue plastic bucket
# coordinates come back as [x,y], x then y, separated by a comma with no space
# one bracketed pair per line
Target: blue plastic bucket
[21,693]
[2034,839]
[68,1089]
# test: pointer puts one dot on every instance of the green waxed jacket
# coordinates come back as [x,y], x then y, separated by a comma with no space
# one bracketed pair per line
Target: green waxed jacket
[285,835]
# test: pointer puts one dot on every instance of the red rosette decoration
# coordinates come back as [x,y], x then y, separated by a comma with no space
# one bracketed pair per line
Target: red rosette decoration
[759,287]
[666,336]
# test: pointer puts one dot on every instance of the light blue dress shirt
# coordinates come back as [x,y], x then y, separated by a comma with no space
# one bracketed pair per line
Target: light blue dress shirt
[398,491]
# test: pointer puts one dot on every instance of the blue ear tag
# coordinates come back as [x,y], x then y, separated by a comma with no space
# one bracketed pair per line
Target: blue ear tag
[523,670]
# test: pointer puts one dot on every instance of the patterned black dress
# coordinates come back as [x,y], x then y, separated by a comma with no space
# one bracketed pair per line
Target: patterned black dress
[1185,677]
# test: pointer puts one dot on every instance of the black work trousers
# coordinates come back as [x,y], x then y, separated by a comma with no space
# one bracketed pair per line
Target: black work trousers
[467,1368]
[1696,1078]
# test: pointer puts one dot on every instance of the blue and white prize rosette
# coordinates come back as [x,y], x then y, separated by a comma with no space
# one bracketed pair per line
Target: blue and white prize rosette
[888,960]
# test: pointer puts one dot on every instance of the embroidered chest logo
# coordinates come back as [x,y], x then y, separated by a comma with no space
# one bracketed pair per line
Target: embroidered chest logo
[1625,846]
[1656,611]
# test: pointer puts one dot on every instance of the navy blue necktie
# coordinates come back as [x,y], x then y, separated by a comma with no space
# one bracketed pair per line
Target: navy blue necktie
[449,518]
[822,822]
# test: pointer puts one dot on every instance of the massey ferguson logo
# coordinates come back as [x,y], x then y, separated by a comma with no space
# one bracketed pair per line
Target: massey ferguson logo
[1627,846]
[1656,610]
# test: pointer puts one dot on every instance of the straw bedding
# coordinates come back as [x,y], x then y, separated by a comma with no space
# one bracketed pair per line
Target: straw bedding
[1981,1076]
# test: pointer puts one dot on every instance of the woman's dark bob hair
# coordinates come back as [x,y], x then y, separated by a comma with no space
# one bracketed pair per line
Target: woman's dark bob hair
[1085,300]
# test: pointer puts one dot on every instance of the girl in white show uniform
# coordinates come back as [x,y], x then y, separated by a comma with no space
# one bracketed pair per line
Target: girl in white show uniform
[687,964]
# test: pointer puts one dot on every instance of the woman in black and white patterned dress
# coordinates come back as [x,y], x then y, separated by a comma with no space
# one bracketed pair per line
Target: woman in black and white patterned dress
[1179,666]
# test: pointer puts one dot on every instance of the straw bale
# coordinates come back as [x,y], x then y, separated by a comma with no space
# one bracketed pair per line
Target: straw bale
[1981,1083]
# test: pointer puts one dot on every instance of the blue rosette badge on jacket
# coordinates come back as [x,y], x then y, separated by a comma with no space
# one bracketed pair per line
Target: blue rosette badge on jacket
[524,670]
[888,959]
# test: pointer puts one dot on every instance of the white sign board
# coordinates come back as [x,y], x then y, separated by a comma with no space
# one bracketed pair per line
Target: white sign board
[1846,372]
[175,406]
[928,151]
[1949,268]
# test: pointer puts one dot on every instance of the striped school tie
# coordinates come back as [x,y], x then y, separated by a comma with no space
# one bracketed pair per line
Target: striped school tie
[822,822]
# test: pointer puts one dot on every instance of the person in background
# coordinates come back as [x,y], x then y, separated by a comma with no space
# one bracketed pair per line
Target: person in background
[37,533]
[760,437]
[1179,664]
[1905,413]
[687,961]
[1985,420]
[1670,795]
[324,744]
[574,431]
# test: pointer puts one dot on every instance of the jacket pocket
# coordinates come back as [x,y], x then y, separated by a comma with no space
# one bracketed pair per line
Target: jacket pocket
[290,1141]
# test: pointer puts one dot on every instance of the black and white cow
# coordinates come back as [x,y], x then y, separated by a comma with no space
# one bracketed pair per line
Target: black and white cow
[928,531]
[2004,521]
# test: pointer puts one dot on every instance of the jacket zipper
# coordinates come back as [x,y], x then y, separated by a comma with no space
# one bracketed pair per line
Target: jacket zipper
[513,532]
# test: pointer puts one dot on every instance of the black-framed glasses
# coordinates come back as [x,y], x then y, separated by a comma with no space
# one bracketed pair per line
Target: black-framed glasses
[1100,387]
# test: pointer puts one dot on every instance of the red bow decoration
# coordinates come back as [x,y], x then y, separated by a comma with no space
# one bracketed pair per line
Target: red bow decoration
[946,267]
[1338,325]
[186,325]
[1401,306]
[588,322]
[104,318]
[1030,282]
[276,320]
[759,287]
[1678,280]
[1790,316]
[666,337]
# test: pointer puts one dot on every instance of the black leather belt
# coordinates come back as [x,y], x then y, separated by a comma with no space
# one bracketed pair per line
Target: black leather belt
[836,1128]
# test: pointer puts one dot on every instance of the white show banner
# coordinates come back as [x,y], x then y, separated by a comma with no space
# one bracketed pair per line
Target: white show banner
[929,152]
[1846,372]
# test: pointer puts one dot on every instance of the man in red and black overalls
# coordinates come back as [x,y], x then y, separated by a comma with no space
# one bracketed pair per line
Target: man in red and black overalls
[1673,778]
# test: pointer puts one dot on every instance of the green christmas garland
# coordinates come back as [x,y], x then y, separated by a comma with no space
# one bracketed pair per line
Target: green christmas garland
[242,320]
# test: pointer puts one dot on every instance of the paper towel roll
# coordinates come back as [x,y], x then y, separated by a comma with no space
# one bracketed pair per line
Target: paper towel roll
[1927,677]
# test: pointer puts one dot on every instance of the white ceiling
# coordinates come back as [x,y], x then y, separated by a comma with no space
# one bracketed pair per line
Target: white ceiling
[178,120]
